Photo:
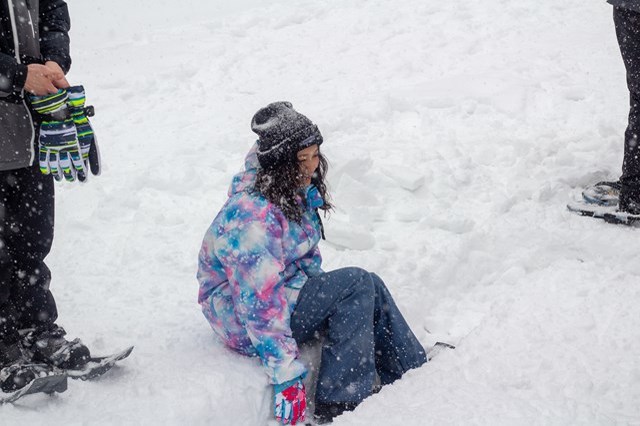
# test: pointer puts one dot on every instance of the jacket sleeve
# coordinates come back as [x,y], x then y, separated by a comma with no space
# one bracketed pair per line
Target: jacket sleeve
[54,28]
[311,262]
[12,75]
[252,257]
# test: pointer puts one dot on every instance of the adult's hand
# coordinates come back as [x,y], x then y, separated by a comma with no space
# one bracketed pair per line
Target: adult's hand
[40,80]
[60,83]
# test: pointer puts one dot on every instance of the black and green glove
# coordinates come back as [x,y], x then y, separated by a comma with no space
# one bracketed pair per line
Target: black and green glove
[86,136]
[59,149]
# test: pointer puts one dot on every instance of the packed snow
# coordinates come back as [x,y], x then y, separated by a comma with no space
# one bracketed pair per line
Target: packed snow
[456,133]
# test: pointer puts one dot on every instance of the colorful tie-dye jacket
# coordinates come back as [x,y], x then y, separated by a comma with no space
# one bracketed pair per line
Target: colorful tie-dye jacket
[252,265]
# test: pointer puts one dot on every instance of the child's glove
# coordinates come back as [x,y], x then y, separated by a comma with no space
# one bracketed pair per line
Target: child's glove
[289,403]
[86,136]
[59,150]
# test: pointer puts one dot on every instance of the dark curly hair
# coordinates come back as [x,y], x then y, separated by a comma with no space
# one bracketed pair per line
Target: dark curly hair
[281,185]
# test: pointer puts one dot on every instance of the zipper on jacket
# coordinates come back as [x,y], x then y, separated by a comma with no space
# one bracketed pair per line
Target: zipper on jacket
[16,50]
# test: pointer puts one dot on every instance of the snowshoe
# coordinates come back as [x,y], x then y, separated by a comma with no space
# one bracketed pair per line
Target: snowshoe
[50,347]
[438,348]
[98,366]
[49,383]
[610,214]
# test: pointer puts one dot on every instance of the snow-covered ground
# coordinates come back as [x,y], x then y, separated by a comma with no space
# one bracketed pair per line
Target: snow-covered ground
[456,131]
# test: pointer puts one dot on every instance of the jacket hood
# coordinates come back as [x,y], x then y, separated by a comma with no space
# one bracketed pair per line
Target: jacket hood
[246,179]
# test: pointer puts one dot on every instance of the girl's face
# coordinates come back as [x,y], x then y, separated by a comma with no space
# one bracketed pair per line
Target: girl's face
[308,160]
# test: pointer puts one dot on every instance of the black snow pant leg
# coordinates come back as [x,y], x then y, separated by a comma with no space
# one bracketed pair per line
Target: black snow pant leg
[627,24]
[26,234]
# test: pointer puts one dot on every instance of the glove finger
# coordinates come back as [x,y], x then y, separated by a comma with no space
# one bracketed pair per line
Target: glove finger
[281,410]
[76,158]
[295,410]
[65,165]
[303,409]
[300,403]
[94,157]
[54,166]
[85,160]
[78,164]
[85,132]
[287,413]
[277,405]
[81,175]
[44,164]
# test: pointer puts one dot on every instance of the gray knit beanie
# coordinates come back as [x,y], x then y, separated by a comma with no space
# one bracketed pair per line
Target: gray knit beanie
[282,132]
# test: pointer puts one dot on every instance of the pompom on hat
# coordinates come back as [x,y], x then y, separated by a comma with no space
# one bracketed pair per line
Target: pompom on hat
[282,132]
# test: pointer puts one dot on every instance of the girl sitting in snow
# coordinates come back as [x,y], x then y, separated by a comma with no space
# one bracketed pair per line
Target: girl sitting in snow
[264,293]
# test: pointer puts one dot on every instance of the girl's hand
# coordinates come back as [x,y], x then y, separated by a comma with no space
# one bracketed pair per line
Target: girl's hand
[290,404]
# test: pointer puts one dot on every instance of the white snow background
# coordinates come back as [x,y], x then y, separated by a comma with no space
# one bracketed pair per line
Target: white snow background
[456,132]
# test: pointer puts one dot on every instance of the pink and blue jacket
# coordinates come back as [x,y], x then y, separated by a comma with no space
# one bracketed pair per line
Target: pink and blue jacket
[252,265]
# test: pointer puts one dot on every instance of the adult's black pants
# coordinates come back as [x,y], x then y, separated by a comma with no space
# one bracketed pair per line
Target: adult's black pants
[26,233]
[627,23]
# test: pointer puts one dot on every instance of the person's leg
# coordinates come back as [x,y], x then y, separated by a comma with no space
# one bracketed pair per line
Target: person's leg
[365,334]
[26,235]
[26,230]
[397,349]
[341,304]
[627,24]
[8,315]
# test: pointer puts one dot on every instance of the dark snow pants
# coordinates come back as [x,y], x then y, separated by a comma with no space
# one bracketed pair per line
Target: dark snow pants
[26,234]
[365,334]
[627,23]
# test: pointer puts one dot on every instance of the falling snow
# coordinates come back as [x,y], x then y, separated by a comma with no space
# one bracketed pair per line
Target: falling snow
[456,132]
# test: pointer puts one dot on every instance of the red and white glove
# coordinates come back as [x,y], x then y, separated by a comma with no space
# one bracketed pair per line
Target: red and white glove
[289,402]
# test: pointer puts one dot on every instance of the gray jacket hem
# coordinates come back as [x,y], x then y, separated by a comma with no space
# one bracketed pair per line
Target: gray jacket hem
[13,165]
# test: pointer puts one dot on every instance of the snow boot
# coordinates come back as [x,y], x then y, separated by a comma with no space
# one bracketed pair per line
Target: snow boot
[48,345]
[15,373]
[603,193]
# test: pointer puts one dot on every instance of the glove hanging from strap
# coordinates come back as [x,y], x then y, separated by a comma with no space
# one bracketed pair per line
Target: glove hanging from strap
[86,136]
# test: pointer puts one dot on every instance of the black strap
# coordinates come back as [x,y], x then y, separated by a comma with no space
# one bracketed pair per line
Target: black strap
[321,224]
